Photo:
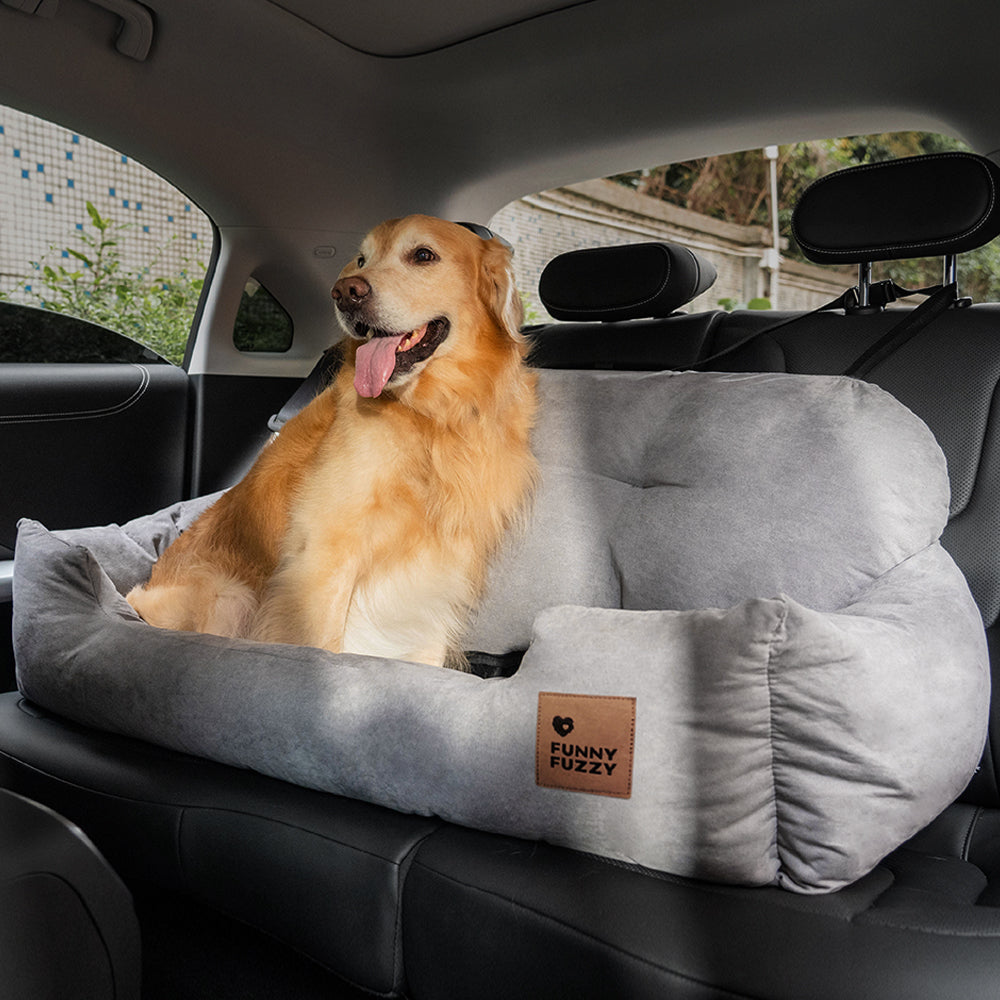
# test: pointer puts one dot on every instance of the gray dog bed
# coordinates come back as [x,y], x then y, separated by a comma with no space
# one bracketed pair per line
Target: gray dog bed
[748,657]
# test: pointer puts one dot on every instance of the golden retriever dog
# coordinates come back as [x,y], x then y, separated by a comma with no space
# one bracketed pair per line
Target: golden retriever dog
[368,523]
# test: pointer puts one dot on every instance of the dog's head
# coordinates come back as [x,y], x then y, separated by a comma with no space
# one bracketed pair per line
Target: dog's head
[421,290]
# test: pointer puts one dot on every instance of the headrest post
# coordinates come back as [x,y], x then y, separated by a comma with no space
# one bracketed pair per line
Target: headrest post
[864,284]
[950,269]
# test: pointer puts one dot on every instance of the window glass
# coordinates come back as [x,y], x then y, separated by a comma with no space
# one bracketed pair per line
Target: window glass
[87,231]
[261,322]
[722,208]
[28,333]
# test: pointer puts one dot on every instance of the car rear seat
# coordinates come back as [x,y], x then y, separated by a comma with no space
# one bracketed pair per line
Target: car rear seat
[926,922]
[450,912]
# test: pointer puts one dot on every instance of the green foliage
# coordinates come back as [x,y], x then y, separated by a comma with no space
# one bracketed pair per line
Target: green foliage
[735,187]
[729,304]
[153,309]
[261,322]
[531,314]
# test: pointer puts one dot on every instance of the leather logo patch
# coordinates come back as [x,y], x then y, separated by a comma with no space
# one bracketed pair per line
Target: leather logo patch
[585,743]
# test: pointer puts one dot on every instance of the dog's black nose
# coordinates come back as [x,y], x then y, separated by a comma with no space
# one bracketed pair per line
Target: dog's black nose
[350,291]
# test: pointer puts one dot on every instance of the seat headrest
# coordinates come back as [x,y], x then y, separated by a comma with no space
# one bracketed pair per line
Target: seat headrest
[636,281]
[919,206]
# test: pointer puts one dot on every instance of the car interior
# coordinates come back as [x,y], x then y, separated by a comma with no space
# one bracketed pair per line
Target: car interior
[148,855]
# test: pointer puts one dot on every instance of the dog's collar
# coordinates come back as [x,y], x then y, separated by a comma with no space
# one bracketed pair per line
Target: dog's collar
[484,233]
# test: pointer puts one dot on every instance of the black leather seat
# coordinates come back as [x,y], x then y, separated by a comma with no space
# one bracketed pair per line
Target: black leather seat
[67,926]
[449,912]
[321,873]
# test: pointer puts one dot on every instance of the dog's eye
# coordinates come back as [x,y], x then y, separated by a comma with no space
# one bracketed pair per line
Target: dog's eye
[361,260]
[424,255]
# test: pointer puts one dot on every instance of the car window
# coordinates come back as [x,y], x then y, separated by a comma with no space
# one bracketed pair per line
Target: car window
[722,208]
[88,232]
[29,333]
[262,324]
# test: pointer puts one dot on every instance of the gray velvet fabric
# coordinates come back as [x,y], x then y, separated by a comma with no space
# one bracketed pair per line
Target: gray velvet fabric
[691,490]
[753,559]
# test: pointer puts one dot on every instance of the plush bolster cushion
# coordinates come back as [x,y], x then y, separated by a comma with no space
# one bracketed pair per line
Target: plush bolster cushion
[749,660]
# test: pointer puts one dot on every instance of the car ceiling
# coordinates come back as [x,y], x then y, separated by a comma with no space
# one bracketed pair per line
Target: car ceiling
[310,120]
[390,28]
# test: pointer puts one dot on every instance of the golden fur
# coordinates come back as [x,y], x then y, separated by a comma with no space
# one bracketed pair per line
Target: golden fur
[368,523]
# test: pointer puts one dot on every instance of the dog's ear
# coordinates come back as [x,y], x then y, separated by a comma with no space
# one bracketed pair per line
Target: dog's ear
[499,289]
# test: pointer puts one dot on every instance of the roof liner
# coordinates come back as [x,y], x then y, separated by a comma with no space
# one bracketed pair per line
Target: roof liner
[389,28]
[268,122]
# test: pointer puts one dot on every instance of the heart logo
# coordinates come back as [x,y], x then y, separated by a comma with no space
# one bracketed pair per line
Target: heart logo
[562,726]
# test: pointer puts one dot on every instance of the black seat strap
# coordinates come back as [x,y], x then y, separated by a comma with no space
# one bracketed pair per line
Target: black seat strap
[842,301]
[914,321]
[940,298]
[314,383]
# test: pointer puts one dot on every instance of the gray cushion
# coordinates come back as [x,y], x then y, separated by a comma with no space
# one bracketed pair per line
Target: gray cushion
[742,573]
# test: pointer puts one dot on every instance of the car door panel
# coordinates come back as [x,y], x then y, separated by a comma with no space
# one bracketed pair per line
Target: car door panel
[89,443]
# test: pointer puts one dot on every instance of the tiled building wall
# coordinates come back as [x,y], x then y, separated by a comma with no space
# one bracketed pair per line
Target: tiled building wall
[47,176]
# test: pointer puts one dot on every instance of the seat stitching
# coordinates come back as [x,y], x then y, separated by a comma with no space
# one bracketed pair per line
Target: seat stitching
[104,411]
[970,831]
[853,253]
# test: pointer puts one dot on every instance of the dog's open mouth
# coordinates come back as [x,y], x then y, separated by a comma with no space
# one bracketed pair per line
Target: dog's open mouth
[386,356]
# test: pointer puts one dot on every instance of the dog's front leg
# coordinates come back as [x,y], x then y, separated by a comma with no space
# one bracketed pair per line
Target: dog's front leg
[305,608]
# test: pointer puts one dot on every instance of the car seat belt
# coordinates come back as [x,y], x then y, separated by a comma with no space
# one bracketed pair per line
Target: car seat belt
[897,335]
[313,384]
[940,298]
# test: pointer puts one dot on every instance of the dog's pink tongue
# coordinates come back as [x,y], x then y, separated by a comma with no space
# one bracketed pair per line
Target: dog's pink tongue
[375,363]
